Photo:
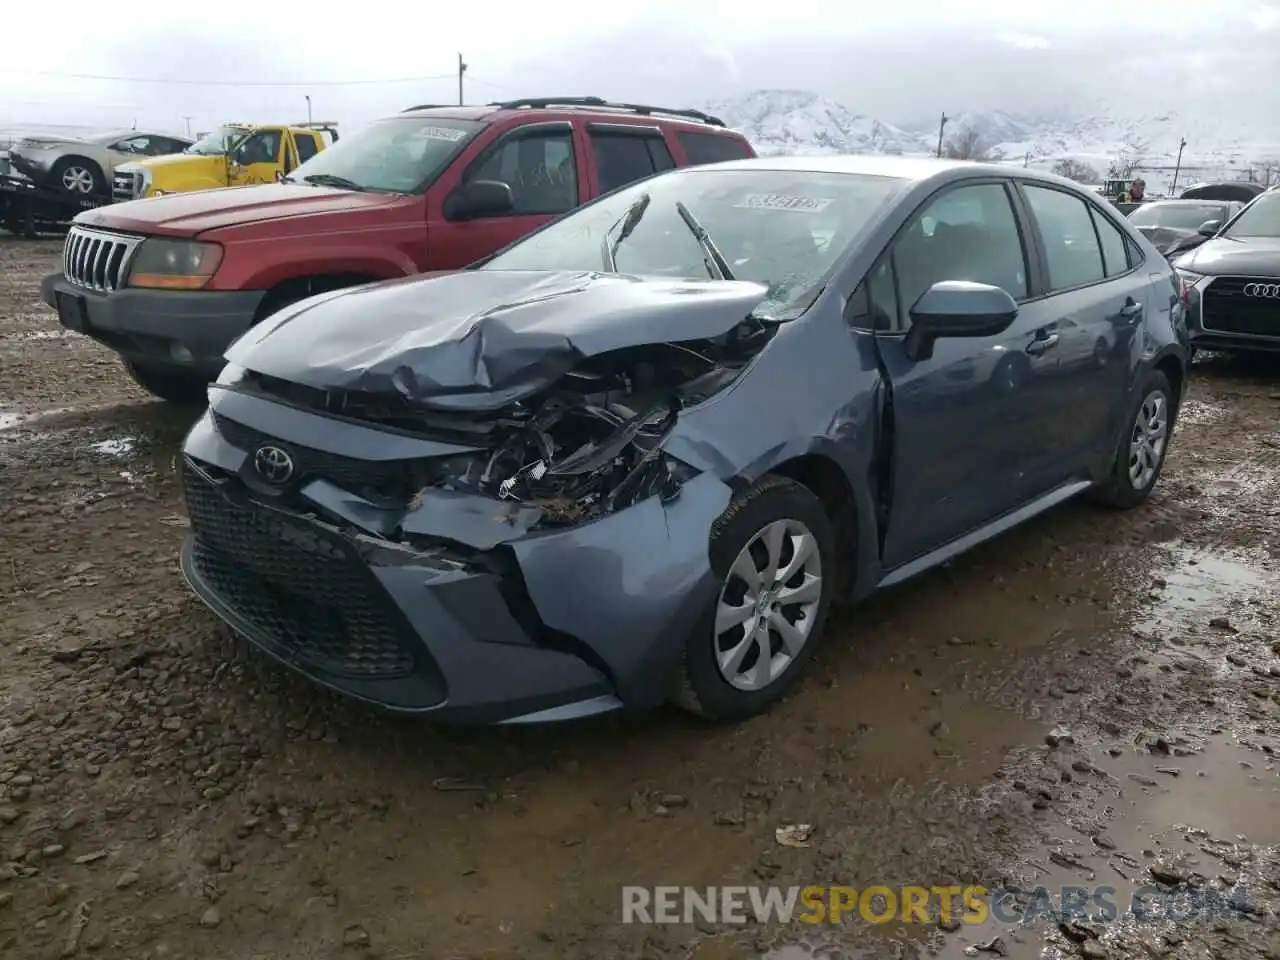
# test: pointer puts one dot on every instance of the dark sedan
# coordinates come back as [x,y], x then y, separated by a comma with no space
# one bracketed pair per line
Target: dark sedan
[1234,282]
[637,455]
[1175,226]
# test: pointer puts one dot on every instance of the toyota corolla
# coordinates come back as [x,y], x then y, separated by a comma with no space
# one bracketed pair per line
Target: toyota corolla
[637,455]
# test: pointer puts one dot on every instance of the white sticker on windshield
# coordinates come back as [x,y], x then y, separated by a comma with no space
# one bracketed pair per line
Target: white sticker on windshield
[777,201]
[441,133]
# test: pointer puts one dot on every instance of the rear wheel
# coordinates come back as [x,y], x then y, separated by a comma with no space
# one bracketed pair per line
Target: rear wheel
[773,551]
[1140,457]
[175,386]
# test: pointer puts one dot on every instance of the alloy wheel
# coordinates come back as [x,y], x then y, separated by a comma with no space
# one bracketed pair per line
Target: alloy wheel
[1148,440]
[77,180]
[768,605]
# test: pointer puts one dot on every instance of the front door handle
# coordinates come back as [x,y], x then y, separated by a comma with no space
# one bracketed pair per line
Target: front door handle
[1131,308]
[1042,345]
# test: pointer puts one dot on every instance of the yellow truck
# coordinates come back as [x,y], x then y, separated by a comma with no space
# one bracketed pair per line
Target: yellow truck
[234,155]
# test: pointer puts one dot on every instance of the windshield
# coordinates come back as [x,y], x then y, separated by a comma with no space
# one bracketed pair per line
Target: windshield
[397,155]
[218,142]
[782,228]
[1260,219]
[1178,216]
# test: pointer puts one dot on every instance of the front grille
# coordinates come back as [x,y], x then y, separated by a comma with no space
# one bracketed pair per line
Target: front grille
[1243,305]
[124,186]
[396,480]
[97,260]
[303,590]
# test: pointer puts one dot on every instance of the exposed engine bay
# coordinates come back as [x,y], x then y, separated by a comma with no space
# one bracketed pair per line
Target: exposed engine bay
[592,444]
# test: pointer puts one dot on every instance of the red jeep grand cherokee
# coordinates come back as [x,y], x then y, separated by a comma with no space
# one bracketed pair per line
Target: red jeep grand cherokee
[169,282]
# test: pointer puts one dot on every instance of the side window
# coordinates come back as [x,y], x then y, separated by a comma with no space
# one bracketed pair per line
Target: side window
[1070,244]
[967,233]
[306,146]
[623,158]
[874,305]
[172,146]
[539,168]
[140,145]
[659,154]
[1115,248]
[710,147]
[261,147]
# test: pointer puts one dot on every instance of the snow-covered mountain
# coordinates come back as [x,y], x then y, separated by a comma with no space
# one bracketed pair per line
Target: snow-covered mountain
[798,121]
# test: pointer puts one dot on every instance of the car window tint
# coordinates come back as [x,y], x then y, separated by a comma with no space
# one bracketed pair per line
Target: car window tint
[1115,251]
[306,147]
[262,147]
[968,233]
[623,158]
[1070,243]
[710,147]
[540,170]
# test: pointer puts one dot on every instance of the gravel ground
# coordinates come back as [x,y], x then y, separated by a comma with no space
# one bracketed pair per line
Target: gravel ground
[1090,700]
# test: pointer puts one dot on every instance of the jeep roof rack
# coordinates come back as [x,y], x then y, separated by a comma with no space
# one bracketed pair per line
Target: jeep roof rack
[426,106]
[540,103]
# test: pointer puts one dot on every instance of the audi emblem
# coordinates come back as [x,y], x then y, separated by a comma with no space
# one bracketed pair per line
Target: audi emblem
[273,464]
[1270,291]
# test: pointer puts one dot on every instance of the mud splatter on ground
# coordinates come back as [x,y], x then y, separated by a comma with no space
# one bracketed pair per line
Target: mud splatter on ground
[1090,700]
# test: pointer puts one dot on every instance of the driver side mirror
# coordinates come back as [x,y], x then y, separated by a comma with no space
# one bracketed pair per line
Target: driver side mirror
[479,198]
[1209,228]
[958,308]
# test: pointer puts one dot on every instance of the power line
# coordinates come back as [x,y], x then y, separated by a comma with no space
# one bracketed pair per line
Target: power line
[226,83]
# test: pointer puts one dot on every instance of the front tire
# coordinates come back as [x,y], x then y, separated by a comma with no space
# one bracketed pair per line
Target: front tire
[174,386]
[773,551]
[78,178]
[1139,460]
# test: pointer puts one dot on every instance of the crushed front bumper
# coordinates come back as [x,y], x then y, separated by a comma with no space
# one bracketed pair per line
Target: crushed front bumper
[469,618]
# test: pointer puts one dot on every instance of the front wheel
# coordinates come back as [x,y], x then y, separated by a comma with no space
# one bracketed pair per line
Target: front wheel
[77,178]
[1141,454]
[773,551]
[175,386]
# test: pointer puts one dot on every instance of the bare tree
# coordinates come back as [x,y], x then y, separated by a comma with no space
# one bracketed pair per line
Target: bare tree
[967,144]
[1076,170]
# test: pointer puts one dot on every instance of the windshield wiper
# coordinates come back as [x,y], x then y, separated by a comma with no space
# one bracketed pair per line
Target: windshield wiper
[332,180]
[717,265]
[624,225]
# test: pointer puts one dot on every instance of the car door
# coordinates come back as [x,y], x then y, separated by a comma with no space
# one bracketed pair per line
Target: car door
[968,421]
[542,164]
[1095,296]
[256,158]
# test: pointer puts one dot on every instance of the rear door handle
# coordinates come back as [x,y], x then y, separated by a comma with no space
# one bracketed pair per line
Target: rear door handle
[1131,309]
[1042,344]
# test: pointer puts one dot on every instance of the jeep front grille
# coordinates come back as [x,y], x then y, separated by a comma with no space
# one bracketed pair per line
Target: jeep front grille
[98,261]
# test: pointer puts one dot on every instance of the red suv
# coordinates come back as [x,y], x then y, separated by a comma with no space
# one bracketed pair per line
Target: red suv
[169,282]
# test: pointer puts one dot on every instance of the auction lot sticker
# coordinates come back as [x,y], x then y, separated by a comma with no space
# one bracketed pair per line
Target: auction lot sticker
[441,133]
[777,201]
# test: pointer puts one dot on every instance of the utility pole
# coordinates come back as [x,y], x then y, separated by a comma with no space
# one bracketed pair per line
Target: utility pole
[1173,190]
[188,122]
[462,68]
[1026,159]
[308,98]
[942,125]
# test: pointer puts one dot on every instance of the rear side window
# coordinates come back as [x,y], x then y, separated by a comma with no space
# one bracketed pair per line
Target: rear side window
[306,146]
[623,158]
[1070,243]
[711,148]
[1115,249]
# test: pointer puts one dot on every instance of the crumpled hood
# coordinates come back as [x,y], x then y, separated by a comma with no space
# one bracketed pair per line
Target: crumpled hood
[1166,237]
[482,339]
[191,214]
[1246,257]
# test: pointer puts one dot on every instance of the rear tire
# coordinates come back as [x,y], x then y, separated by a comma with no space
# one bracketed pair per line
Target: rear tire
[773,551]
[78,178]
[1140,456]
[174,386]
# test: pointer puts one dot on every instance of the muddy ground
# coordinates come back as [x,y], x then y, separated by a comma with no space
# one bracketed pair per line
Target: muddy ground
[1090,700]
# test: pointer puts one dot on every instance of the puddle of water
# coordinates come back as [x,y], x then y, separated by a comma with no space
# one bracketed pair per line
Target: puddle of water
[1177,822]
[121,447]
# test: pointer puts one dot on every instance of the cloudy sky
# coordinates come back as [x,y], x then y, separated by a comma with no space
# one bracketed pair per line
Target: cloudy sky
[901,61]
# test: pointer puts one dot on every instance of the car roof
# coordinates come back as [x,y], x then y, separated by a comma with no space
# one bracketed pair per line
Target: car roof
[566,108]
[912,169]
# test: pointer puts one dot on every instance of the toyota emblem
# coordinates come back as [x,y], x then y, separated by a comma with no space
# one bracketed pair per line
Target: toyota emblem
[273,464]
[1271,291]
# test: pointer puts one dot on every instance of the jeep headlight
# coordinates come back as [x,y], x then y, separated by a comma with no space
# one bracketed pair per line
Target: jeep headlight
[174,264]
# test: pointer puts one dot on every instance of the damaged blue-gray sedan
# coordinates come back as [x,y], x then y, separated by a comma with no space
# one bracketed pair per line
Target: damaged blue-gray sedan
[637,455]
